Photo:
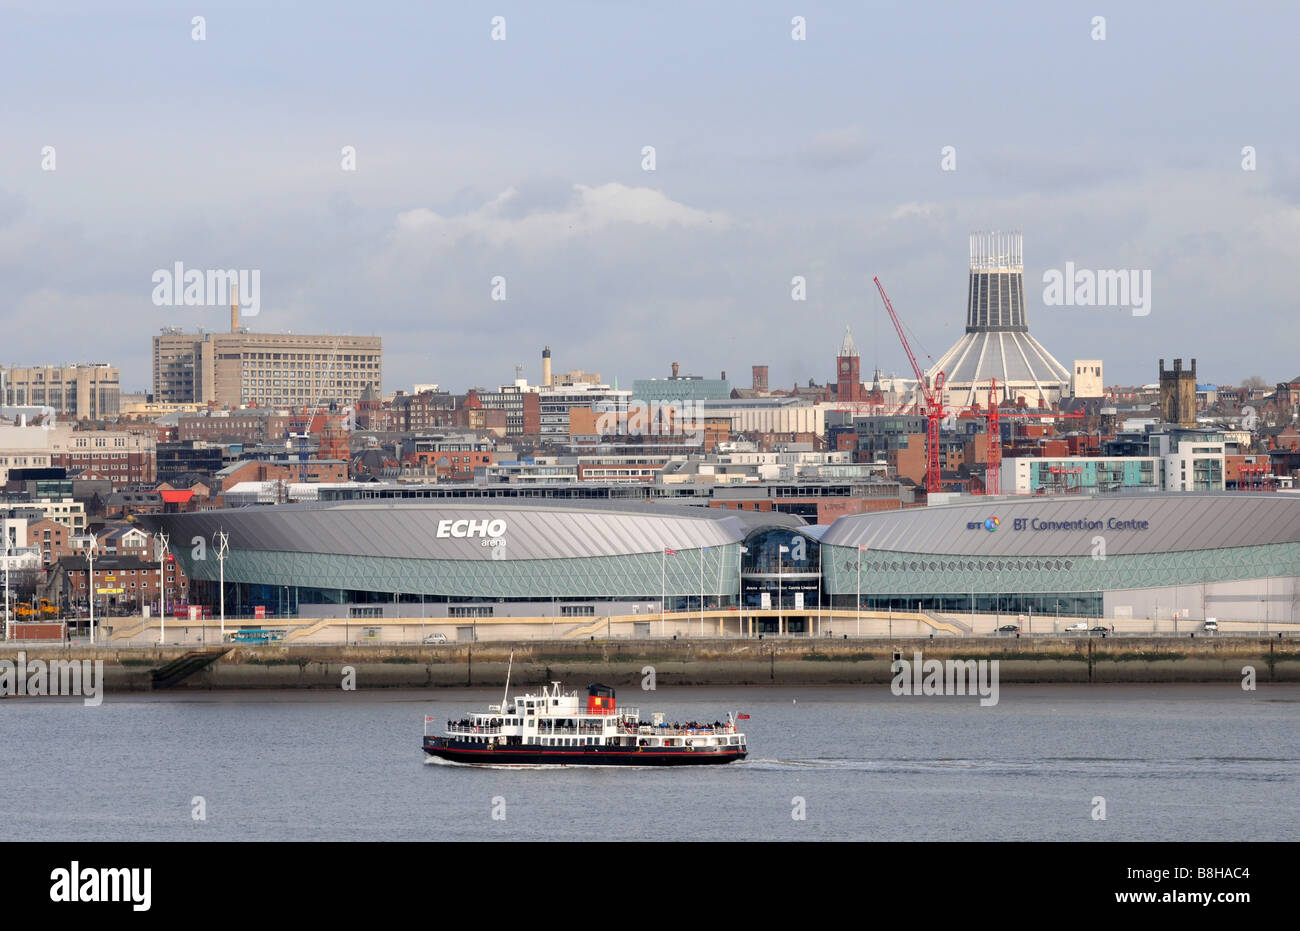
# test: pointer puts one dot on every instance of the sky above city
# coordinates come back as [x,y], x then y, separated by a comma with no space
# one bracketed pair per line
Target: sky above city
[523,159]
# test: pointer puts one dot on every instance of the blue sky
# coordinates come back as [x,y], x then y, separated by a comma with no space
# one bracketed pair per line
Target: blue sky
[522,158]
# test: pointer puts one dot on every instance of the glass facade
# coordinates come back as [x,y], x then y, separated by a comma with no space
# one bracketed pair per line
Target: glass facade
[783,564]
[774,567]
[285,580]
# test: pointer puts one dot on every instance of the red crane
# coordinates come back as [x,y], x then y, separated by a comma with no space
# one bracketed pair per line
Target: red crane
[993,473]
[931,406]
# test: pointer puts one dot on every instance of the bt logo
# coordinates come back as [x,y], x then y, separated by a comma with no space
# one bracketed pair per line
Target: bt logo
[991,523]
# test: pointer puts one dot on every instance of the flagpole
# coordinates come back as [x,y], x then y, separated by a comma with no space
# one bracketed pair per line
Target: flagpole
[663,586]
[721,626]
[701,591]
[780,601]
[859,604]
[740,587]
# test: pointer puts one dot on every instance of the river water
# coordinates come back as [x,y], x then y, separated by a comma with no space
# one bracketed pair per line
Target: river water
[1193,762]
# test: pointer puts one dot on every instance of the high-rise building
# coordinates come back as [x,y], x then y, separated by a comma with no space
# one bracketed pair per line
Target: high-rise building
[265,369]
[92,391]
[997,344]
[175,355]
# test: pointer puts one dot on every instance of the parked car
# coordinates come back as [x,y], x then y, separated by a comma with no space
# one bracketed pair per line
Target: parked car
[1211,624]
[1101,630]
[1009,629]
[435,638]
[1078,625]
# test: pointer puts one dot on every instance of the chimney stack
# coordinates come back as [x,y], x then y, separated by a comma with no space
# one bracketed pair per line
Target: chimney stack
[234,307]
[546,367]
[674,370]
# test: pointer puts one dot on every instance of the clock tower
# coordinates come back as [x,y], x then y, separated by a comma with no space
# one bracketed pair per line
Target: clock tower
[848,376]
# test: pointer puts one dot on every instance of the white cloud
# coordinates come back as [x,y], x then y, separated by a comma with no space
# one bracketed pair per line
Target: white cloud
[591,209]
[909,210]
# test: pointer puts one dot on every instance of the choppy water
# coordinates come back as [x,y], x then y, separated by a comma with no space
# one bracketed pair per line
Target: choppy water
[1205,762]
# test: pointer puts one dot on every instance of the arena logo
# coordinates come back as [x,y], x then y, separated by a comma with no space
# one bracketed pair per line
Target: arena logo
[488,530]
[1035,523]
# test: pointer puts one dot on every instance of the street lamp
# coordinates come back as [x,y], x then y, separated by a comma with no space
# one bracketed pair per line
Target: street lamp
[703,549]
[90,556]
[740,586]
[861,550]
[4,531]
[162,587]
[222,547]
[780,602]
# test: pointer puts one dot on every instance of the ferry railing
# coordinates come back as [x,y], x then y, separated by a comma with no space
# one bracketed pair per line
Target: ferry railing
[653,731]
[472,729]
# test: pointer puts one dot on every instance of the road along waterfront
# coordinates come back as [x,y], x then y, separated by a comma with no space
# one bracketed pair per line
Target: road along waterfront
[1049,659]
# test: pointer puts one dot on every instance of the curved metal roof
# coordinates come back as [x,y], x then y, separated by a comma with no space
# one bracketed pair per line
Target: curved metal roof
[411,530]
[1067,525]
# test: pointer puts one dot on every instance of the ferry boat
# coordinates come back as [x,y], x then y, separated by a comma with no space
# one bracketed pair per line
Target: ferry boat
[566,728]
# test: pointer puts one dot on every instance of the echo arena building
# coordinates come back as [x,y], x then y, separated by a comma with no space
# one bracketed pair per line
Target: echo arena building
[1158,556]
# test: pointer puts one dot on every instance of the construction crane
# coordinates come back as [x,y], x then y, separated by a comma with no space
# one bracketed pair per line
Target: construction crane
[931,403]
[305,435]
[993,469]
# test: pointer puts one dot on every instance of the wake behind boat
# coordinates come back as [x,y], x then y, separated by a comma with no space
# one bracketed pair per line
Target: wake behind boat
[556,727]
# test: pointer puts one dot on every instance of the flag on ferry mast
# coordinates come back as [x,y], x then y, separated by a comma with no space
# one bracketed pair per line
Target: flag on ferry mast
[742,717]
